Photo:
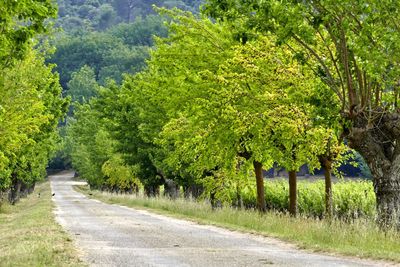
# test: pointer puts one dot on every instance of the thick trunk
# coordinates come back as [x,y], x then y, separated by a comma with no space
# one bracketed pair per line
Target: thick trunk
[387,190]
[260,186]
[388,203]
[292,193]
[379,144]
[327,165]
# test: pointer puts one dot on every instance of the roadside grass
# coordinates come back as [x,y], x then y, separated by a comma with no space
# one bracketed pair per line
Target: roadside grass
[30,236]
[360,237]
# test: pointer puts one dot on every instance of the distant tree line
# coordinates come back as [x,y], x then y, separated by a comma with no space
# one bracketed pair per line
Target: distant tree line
[99,15]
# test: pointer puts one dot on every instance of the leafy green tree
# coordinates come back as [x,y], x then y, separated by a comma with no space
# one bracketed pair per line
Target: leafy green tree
[140,32]
[82,86]
[90,144]
[106,17]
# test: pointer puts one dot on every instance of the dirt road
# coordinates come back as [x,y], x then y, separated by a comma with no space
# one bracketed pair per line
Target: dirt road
[111,235]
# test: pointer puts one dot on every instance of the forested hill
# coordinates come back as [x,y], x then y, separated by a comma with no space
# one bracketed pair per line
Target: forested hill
[102,14]
[101,40]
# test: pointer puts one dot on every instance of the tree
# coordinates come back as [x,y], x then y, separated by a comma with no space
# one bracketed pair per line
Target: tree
[353,48]
[82,86]
[20,22]
[267,88]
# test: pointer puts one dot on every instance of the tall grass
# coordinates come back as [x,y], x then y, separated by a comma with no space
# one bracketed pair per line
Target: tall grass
[360,237]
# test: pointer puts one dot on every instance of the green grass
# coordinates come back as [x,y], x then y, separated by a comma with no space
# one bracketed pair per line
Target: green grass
[30,236]
[359,238]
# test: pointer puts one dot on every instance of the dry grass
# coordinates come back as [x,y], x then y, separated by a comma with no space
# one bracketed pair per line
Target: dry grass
[357,238]
[30,236]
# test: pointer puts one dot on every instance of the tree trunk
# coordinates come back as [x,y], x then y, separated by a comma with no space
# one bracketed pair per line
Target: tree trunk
[15,191]
[136,189]
[24,190]
[215,203]
[387,190]
[327,165]
[239,199]
[388,203]
[379,144]
[31,188]
[260,186]
[292,193]
[152,190]
[171,189]
[193,190]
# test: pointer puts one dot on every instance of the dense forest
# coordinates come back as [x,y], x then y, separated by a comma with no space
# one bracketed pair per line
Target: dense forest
[165,93]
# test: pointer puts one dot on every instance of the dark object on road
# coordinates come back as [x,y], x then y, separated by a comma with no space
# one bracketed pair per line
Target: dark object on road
[53,194]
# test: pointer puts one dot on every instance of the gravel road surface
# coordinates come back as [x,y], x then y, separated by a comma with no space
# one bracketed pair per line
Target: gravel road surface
[112,235]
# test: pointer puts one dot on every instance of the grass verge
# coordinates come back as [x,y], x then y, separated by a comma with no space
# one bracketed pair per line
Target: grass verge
[30,236]
[359,238]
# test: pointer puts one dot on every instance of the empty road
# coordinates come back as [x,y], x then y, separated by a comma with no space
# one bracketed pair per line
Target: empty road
[111,235]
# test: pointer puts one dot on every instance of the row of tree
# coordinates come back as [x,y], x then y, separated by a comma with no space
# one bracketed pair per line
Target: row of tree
[30,98]
[352,46]
[270,82]
[208,108]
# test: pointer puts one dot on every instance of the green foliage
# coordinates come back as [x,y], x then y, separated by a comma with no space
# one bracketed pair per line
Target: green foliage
[90,144]
[94,150]
[140,32]
[365,171]
[107,55]
[119,175]
[244,103]
[20,21]
[121,49]
[82,85]
[30,97]
[31,104]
